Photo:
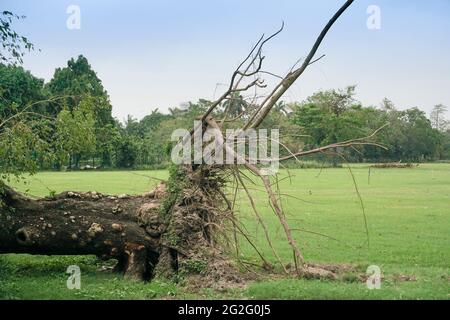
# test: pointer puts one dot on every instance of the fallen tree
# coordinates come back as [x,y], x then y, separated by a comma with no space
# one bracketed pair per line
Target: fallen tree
[125,228]
[187,224]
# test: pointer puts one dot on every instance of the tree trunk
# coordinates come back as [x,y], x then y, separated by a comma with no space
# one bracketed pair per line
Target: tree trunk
[126,228]
[160,233]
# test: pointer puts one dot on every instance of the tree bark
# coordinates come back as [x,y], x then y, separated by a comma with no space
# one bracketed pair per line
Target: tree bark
[126,228]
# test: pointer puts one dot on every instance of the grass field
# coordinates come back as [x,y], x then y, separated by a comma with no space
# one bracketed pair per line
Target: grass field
[408,217]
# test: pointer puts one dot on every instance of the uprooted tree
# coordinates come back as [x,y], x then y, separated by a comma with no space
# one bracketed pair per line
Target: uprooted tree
[187,221]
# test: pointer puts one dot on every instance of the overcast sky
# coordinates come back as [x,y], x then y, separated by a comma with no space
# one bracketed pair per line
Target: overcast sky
[161,53]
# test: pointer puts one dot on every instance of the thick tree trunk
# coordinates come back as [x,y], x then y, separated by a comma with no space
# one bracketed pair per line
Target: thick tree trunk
[162,233]
[126,228]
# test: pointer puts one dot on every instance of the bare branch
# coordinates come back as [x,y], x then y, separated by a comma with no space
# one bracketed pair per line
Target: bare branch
[348,143]
[291,77]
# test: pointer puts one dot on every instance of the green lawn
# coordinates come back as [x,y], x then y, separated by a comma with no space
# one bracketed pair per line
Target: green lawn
[408,217]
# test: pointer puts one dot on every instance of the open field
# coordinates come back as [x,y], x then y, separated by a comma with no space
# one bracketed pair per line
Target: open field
[408,217]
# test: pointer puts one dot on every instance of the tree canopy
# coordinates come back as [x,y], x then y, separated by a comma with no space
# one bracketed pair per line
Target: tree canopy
[67,123]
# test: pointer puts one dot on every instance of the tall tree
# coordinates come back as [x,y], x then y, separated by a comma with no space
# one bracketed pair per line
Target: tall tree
[328,117]
[18,90]
[24,134]
[437,117]
[75,134]
[76,82]
[235,105]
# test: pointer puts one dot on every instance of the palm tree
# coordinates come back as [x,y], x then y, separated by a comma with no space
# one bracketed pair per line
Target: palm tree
[235,105]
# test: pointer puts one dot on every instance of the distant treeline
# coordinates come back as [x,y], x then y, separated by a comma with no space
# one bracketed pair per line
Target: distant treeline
[67,124]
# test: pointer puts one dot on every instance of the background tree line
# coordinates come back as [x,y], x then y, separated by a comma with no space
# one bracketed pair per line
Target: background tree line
[67,123]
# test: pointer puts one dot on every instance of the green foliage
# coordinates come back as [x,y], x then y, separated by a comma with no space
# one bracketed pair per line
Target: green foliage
[126,151]
[68,121]
[193,266]
[22,149]
[13,45]
[333,116]
[330,116]
[445,145]
[75,130]
[309,164]
[25,129]
[172,239]
[20,89]
[190,267]
[175,184]
[235,105]
[78,82]
[437,118]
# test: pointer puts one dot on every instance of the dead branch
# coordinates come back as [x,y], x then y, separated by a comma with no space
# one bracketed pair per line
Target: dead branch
[265,107]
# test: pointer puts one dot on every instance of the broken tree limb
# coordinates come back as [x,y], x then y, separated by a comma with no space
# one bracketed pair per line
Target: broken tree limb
[263,110]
